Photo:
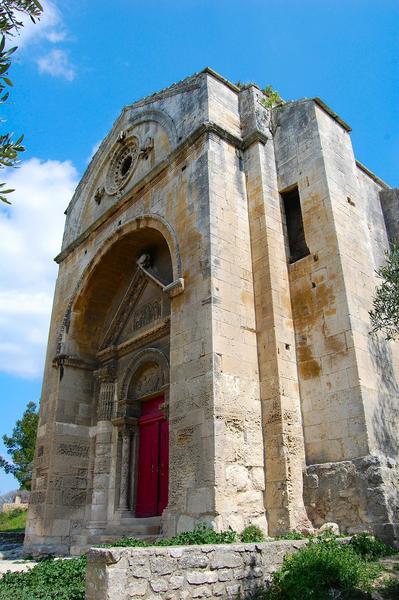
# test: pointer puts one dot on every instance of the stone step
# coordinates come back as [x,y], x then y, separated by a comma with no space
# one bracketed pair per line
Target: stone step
[123,531]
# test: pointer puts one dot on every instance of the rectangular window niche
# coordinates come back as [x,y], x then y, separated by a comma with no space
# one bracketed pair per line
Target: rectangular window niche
[295,231]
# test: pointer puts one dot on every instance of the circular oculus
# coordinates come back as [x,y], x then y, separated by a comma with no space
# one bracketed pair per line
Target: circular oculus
[122,166]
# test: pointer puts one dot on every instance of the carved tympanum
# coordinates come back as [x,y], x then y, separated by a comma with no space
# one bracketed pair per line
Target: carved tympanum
[149,382]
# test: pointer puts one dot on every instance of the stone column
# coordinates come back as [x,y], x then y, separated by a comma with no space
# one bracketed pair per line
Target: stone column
[125,464]
[126,427]
[102,459]
[105,407]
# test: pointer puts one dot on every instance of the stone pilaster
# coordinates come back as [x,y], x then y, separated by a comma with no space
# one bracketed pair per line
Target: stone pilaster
[281,411]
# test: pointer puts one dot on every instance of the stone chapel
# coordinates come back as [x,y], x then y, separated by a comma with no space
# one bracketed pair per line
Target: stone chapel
[209,355]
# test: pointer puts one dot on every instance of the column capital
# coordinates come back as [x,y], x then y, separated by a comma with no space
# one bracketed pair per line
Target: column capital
[106,373]
[125,423]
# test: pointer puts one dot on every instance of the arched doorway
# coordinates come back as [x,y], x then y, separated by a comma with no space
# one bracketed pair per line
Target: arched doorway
[144,404]
[120,324]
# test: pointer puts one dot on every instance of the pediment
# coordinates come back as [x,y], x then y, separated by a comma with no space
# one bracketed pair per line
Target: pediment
[143,305]
[139,140]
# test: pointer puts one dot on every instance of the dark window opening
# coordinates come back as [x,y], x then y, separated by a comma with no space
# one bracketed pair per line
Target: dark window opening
[293,216]
[126,165]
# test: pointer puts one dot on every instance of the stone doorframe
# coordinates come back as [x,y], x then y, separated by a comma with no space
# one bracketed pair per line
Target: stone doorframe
[126,424]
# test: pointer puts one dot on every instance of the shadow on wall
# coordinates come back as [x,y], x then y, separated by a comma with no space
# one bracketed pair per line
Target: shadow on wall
[385,419]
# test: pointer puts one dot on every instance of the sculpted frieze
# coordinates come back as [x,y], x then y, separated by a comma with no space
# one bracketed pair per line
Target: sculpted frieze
[147,314]
[80,450]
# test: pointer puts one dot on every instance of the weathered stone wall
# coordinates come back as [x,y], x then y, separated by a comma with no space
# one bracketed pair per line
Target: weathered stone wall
[390,206]
[181,573]
[278,378]
[358,495]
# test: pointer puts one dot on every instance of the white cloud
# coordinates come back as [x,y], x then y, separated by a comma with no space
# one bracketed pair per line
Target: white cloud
[56,63]
[49,27]
[30,237]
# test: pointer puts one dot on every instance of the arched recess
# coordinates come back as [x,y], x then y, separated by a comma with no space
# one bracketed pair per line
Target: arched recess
[115,336]
[143,417]
[139,361]
[144,115]
[138,229]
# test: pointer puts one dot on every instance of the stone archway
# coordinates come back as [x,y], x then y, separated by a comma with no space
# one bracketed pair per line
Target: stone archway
[117,331]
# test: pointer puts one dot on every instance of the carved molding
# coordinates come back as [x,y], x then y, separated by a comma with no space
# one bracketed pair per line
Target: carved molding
[138,116]
[68,360]
[149,382]
[107,372]
[123,163]
[146,314]
[147,336]
[175,288]
[152,221]
[131,297]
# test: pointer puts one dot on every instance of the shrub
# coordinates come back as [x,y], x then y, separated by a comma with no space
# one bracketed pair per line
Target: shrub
[291,535]
[14,520]
[202,534]
[320,567]
[48,580]
[370,547]
[252,534]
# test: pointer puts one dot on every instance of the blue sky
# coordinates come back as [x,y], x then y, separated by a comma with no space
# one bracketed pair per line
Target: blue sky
[85,60]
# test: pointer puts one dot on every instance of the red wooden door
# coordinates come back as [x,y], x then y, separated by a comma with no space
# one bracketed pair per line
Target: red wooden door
[163,465]
[153,463]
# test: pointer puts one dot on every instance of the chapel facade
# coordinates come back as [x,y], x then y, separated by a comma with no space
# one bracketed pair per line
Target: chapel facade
[209,355]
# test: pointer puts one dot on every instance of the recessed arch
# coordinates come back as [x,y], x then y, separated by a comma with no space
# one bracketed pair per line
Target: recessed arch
[149,224]
[144,115]
[141,223]
[140,360]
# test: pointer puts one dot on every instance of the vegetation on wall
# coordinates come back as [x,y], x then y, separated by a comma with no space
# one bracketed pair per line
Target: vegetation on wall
[273,98]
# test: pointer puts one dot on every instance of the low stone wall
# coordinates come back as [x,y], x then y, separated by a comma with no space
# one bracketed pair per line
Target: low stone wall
[183,572]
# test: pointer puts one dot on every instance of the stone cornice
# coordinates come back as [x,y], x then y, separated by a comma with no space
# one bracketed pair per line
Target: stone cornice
[372,175]
[332,114]
[68,360]
[135,342]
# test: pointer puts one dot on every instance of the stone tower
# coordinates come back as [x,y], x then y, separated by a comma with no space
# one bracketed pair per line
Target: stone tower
[209,356]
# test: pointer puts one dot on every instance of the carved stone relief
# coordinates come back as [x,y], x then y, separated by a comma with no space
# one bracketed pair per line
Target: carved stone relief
[150,312]
[80,450]
[149,382]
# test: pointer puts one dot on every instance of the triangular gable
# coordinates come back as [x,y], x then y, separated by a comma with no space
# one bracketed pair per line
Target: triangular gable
[125,308]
